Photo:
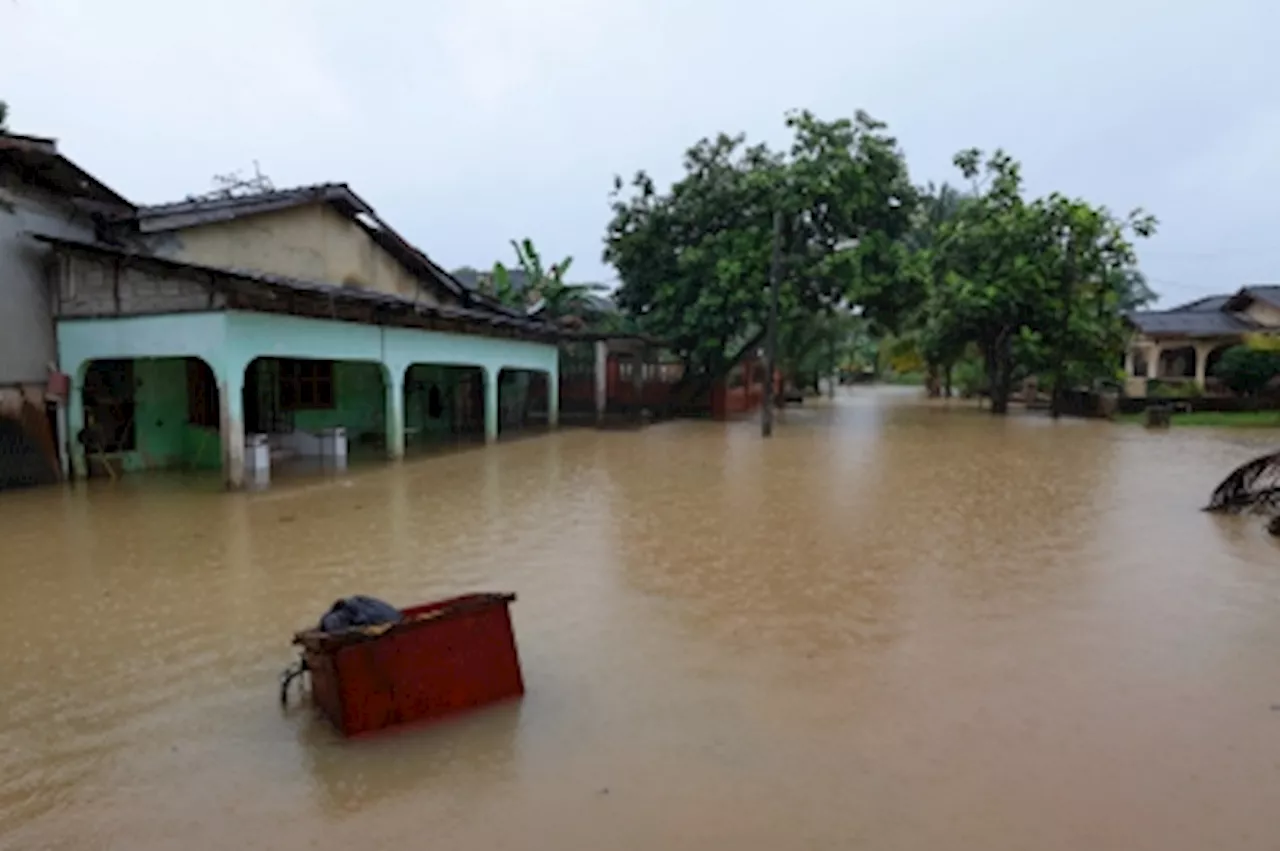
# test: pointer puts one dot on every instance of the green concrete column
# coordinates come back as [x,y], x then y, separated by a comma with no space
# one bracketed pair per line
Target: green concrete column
[75,423]
[490,404]
[553,396]
[394,381]
[231,407]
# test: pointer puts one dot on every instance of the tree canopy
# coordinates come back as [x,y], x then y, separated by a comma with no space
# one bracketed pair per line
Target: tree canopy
[1038,285]
[1028,285]
[694,260]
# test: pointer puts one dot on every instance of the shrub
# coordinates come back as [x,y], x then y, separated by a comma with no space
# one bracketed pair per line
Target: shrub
[1248,370]
[1164,389]
[968,378]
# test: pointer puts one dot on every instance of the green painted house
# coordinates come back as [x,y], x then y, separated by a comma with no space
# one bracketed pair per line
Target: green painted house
[178,364]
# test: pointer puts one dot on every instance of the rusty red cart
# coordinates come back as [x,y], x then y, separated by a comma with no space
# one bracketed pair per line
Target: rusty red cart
[442,658]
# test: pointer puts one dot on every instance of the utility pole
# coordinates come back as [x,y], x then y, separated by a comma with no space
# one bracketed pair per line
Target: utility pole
[771,333]
[1068,285]
[831,356]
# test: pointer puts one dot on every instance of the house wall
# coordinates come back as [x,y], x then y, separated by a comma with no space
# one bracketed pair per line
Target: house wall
[1159,360]
[359,404]
[1264,314]
[312,242]
[165,439]
[90,287]
[26,322]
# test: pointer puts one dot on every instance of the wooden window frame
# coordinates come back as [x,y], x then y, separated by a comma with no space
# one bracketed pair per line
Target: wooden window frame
[306,385]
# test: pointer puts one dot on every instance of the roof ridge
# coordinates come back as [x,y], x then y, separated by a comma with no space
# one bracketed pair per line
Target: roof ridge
[246,198]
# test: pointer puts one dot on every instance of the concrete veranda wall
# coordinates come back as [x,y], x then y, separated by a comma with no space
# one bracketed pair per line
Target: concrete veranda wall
[229,341]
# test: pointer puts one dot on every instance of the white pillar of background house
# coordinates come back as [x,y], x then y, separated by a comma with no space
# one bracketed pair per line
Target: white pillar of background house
[393,377]
[490,403]
[602,379]
[553,397]
[1202,360]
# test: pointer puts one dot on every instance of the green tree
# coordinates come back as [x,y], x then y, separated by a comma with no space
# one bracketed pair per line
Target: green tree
[694,260]
[538,288]
[1247,370]
[938,206]
[814,345]
[1037,285]
[4,114]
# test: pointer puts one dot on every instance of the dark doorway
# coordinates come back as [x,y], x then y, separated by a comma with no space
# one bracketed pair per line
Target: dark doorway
[109,407]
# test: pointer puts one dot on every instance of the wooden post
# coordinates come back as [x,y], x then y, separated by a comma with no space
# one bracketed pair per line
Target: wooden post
[771,358]
[601,379]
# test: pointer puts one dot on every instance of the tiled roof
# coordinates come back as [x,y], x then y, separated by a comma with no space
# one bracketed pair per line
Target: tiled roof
[1191,323]
[200,211]
[1206,304]
[1270,293]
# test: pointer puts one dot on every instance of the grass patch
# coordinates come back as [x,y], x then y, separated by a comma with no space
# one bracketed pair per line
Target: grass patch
[1216,419]
[905,379]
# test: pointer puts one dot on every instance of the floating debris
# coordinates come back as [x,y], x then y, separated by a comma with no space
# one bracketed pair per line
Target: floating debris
[1252,487]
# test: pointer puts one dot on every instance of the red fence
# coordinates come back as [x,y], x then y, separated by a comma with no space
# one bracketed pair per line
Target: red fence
[742,391]
[622,391]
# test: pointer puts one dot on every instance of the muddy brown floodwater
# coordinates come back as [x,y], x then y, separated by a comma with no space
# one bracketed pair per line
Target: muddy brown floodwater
[895,626]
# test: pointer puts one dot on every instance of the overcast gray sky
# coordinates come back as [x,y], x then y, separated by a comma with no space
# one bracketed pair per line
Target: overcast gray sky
[468,122]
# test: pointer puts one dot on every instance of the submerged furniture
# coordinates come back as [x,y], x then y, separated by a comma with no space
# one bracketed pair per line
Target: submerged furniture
[441,658]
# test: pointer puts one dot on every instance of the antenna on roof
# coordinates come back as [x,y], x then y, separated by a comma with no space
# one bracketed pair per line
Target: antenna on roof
[235,185]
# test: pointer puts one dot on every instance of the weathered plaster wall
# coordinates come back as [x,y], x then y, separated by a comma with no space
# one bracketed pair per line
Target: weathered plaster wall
[26,321]
[312,242]
[1264,314]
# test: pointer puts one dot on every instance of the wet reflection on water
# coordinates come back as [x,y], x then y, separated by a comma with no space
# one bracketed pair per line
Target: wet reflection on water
[896,625]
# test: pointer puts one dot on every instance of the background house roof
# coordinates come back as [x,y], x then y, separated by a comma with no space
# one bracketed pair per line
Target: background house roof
[1190,323]
[1265,293]
[1208,303]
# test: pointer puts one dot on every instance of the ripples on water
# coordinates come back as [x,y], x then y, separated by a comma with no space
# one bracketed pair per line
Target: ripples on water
[895,625]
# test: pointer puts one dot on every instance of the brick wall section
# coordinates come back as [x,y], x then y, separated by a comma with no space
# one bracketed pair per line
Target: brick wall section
[88,287]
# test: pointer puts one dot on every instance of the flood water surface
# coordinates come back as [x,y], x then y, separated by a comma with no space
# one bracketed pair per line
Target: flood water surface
[894,626]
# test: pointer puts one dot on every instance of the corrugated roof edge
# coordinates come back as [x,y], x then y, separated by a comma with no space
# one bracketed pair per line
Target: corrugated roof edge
[45,148]
[332,290]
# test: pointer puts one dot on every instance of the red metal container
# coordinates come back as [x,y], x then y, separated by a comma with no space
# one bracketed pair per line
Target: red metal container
[443,657]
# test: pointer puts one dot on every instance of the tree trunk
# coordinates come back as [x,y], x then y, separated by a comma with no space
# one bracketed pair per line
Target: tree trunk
[1004,382]
[946,380]
[999,357]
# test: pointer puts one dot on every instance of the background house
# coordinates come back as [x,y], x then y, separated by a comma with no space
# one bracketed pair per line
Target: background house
[1184,343]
